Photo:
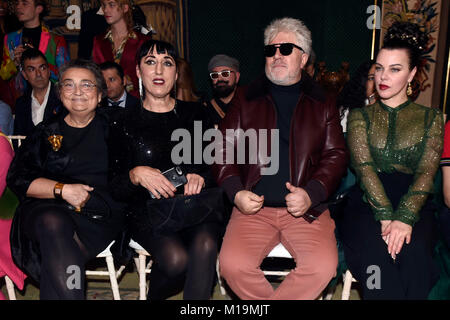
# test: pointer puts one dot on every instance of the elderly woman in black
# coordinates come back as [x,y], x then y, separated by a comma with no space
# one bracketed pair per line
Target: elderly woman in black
[60,175]
[185,249]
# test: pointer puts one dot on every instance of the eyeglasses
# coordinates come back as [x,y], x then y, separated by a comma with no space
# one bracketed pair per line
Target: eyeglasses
[223,73]
[285,49]
[85,86]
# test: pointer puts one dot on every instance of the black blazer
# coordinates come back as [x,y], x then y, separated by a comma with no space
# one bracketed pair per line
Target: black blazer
[23,123]
[131,102]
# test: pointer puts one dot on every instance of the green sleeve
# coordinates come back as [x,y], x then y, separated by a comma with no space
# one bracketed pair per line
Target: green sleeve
[412,202]
[364,166]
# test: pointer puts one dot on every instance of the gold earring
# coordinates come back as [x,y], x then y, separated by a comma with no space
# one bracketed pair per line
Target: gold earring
[409,91]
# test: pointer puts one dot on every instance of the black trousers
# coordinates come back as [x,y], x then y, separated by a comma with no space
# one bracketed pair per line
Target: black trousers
[413,274]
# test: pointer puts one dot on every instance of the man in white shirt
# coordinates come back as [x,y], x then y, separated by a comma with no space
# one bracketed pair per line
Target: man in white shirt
[41,101]
[115,80]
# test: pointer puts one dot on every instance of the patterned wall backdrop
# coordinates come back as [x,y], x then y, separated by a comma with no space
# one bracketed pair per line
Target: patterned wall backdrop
[235,27]
[426,13]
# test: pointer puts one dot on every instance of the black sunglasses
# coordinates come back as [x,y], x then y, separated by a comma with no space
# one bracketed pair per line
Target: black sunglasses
[285,49]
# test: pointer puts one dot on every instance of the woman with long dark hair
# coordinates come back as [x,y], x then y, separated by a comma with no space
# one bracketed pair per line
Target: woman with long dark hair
[358,92]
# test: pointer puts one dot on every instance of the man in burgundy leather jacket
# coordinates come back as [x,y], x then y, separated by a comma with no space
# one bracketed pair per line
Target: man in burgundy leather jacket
[283,200]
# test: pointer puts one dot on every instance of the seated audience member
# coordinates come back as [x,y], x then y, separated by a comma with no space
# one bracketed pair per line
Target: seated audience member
[60,175]
[358,92]
[185,85]
[310,67]
[182,226]
[92,24]
[282,200]
[395,149]
[6,119]
[120,42]
[444,216]
[224,74]
[7,266]
[8,23]
[115,80]
[34,34]
[41,100]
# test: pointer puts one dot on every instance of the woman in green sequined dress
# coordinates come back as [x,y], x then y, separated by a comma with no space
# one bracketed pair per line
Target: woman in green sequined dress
[388,225]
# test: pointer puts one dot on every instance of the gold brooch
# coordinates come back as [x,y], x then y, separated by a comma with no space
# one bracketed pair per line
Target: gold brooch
[56,141]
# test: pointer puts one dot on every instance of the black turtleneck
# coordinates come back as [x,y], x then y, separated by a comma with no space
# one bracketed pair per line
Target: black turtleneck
[274,187]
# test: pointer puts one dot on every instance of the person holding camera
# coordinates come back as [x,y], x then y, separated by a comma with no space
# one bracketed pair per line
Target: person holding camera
[34,34]
[181,226]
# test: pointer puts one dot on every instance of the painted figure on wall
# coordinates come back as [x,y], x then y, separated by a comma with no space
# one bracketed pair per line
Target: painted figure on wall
[425,13]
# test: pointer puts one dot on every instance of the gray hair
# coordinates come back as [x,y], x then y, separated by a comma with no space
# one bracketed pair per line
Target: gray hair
[292,25]
[88,65]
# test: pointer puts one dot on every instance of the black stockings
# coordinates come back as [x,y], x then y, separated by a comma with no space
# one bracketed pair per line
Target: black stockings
[188,258]
[63,257]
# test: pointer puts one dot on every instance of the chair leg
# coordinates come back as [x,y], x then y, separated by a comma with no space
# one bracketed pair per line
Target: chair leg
[112,277]
[328,293]
[10,288]
[219,279]
[347,285]
[136,262]
[142,278]
[329,296]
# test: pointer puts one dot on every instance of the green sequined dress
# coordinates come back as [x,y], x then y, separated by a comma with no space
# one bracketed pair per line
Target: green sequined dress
[406,139]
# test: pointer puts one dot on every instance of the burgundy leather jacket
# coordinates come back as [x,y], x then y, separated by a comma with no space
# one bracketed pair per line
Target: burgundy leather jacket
[318,154]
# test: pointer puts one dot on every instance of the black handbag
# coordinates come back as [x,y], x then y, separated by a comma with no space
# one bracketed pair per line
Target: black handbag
[97,207]
[174,214]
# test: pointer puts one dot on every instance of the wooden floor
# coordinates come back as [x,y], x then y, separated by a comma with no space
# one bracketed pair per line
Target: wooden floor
[129,290]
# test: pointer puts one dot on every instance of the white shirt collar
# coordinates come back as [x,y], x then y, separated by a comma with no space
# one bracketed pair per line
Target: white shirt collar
[37,109]
[122,100]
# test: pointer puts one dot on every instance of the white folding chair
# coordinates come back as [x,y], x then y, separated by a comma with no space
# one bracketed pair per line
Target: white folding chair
[142,267]
[347,286]
[18,138]
[279,251]
[10,288]
[111,272]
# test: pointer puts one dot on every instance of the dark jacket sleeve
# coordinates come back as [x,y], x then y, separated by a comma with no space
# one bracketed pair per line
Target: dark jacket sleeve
[120,154]
[333,159]
[19,119]
[227,175]
[27,164]
[195,112]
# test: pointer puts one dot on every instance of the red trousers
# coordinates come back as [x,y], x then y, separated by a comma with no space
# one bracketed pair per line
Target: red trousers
[250,238]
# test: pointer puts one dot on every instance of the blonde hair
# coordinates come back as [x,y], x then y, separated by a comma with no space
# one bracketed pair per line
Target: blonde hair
[128,16]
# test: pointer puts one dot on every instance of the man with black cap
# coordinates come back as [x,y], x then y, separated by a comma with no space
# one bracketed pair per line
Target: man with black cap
[224,74]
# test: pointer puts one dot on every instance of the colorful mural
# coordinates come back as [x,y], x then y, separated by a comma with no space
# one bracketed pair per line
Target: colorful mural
[426,14]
